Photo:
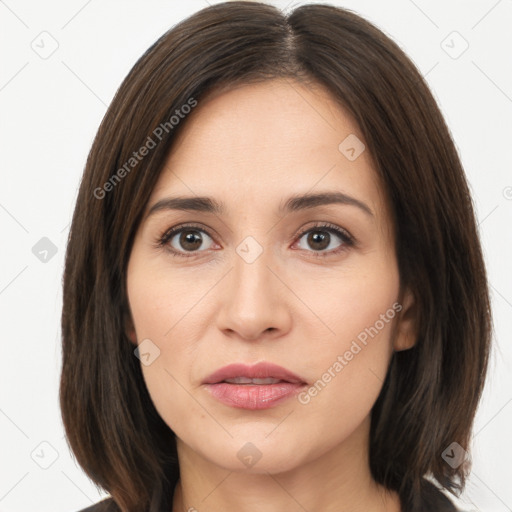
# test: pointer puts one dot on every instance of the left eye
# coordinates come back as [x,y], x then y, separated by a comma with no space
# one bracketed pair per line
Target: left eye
[320,239]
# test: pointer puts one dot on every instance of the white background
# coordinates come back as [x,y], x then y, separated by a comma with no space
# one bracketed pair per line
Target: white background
[50,110]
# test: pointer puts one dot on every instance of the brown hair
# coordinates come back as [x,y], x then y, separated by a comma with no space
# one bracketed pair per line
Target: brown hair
[432,390]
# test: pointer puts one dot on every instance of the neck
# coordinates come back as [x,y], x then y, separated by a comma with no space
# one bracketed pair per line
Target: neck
[338,480]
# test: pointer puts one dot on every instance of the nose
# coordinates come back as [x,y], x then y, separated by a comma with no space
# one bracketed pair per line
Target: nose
[254,301]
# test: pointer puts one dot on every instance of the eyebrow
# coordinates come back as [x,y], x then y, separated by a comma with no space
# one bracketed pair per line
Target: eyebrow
[292,204]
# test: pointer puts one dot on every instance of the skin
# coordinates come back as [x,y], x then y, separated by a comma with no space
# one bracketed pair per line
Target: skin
[251,148]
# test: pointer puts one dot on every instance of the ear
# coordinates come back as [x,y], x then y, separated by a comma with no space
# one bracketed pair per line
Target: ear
[129,328]
[405,330]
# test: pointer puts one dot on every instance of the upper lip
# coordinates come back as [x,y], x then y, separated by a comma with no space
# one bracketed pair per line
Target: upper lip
[257,371]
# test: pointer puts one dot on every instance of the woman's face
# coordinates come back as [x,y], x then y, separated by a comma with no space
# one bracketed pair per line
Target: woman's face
[263,281]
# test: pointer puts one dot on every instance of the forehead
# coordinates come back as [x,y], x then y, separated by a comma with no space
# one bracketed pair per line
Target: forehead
[247,119]
[268,140]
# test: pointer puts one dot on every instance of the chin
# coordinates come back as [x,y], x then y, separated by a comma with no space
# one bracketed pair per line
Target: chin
[256,454]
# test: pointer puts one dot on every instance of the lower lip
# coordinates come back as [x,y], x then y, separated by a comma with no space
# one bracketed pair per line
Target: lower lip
[253,396]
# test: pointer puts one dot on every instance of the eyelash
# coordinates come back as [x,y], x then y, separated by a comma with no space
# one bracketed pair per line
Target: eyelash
[347,239]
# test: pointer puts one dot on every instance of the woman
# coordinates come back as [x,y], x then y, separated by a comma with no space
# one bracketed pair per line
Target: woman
[274,294]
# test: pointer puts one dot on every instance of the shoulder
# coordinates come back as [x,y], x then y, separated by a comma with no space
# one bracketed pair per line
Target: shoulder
[106,505]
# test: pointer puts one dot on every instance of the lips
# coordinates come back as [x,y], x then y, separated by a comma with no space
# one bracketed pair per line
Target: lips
[261,386]
[245,374]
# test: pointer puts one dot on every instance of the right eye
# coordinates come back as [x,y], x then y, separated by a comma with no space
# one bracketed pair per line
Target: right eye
[190,240]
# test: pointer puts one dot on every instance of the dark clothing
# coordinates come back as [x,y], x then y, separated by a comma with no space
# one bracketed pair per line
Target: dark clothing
[102,506]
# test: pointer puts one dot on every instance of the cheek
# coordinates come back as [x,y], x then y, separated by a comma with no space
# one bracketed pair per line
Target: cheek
[348,377]
[163,306]
[357,355]
[161,300]
[350,361]
[353,303]
[352,372]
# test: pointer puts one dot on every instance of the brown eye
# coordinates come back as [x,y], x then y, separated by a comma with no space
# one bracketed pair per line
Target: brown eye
[320,240]
[186,239]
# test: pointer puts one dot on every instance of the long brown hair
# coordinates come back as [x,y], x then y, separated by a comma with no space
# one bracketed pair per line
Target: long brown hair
[432,390]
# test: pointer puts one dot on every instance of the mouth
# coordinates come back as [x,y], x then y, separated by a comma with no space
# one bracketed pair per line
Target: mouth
[260,386]
[247,380]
